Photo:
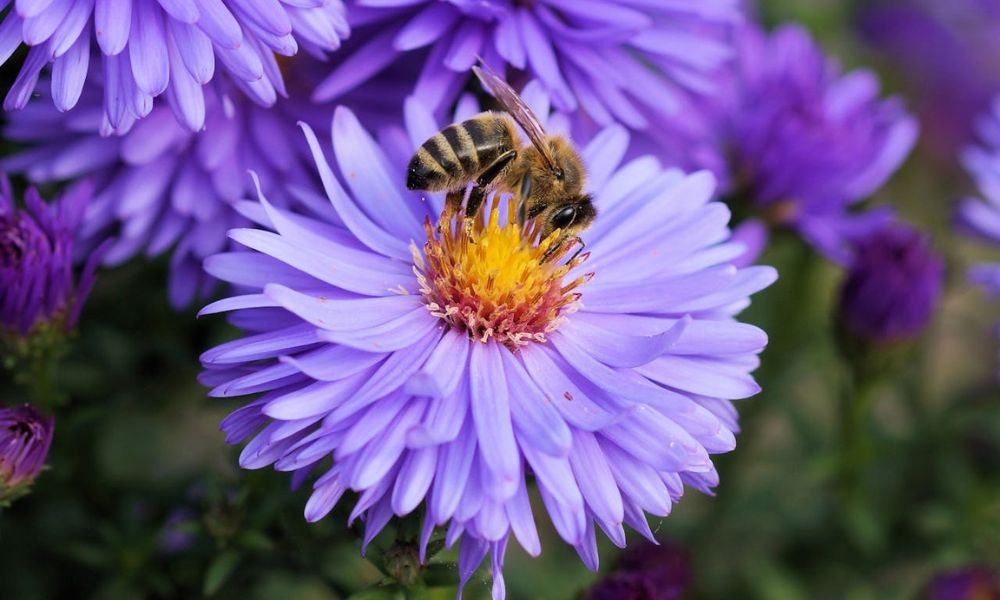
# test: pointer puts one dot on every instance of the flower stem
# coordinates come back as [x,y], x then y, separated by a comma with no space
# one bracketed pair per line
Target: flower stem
[856,451]
[33,362]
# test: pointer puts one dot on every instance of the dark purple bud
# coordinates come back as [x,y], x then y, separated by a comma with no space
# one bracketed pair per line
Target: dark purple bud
[25,437]
[965,584]
[646,572]
[37,285]
[178,534]
[892,288]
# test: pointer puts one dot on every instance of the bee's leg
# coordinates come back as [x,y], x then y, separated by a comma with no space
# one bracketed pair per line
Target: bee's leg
[485,179]
[555,247]
[475,200]
[453,200]
[578,250]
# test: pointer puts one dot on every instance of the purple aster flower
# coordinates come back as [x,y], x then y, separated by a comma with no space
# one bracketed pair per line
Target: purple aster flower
[160,185]
[974,583]
[624,61]
[945,53]
[981,217]
[25,437]
[441,365]
[805,142]
[37,286]
[646,572]
[893,285]
[151,47]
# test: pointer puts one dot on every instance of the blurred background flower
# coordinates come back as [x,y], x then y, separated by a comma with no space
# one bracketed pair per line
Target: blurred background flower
[981,217]
[25,437]
[646,571]
[145,48]
[973,583]
[38,288]
[802,143]
[944,55]
[892,287]
[160,186]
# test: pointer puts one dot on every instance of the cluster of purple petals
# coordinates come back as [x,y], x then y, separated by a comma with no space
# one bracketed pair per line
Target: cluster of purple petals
[141,49]
[614,415]
[25,437]
[946,53]
[980,217]
[160,185]
[36,259]
[624,61]
[804,142]
[893,285]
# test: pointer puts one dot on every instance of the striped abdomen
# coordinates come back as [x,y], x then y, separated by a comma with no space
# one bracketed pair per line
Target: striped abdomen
[459,153]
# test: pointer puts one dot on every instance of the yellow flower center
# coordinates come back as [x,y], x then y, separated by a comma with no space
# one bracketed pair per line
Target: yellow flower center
[496,279]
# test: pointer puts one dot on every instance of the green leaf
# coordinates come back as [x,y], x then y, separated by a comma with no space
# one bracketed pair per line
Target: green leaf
[376,556]
[441,574]
[433,547]
[220,571]
[255,540]
[770,580]
[91,555]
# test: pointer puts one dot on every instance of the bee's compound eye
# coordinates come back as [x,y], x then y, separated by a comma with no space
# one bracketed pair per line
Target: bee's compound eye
[564,217]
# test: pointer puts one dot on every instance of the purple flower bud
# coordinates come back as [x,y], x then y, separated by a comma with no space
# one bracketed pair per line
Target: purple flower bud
[25,436]
[964,584]
[36,260]
[892,287]
[646,572]
[176,535]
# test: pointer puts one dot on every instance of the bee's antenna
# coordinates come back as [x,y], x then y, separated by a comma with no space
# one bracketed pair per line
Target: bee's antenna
[481,62]
[484,72]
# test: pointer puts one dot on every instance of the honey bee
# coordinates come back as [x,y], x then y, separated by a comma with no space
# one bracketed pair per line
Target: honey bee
[546,177]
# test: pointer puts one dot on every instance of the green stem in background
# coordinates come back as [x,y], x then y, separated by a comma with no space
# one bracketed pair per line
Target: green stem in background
[855,435]
[795,295]
[856,451]
[41,381]
[33,361]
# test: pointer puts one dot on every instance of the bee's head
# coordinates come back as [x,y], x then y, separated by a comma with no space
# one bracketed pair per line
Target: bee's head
[571,216]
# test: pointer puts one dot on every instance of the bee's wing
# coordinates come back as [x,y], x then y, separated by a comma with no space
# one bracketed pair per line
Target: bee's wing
[512,103]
